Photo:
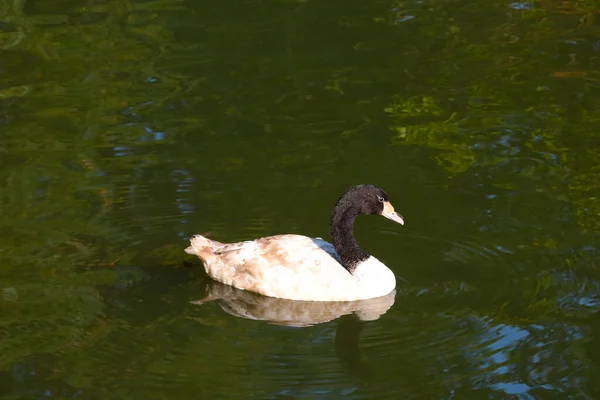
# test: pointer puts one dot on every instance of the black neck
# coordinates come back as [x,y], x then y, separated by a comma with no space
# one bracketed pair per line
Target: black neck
[342,222]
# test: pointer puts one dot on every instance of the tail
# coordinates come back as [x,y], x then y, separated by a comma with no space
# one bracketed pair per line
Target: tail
[202,247]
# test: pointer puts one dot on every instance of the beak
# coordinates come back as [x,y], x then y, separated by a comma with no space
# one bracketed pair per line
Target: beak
[389,213]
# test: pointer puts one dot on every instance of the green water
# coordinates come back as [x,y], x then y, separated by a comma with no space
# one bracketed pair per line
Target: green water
[128,126]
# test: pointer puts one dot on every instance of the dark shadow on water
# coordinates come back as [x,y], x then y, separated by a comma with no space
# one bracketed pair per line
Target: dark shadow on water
[144,294]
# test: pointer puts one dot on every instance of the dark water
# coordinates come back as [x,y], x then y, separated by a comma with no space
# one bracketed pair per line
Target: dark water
[127,126]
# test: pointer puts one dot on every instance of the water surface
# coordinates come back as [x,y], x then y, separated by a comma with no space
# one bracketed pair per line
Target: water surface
[128,126]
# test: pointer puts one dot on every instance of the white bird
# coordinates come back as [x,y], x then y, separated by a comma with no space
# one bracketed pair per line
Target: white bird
[297,267]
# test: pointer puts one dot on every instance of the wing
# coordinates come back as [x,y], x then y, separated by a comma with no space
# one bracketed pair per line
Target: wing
[287,266]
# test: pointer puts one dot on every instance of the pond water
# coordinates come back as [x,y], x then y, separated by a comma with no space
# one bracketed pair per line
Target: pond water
[127,126]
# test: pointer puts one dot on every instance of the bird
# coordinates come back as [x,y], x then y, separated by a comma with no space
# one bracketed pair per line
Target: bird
[297,267]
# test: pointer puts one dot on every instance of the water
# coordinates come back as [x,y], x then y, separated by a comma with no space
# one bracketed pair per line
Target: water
[128,126]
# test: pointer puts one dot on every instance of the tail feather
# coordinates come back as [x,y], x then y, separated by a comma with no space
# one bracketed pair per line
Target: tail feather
[202,247]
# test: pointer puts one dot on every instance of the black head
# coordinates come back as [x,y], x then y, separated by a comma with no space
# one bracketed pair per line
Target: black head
[368,199]
[361,199]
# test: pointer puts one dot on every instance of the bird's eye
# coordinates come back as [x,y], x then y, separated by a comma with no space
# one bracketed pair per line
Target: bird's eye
[380,198]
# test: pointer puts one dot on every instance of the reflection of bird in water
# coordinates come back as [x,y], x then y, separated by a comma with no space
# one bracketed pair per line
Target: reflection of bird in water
[354,316]
[248,305]
[347,346]
[297,267]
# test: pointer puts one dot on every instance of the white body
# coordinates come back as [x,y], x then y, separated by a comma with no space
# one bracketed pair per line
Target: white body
[292,267]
